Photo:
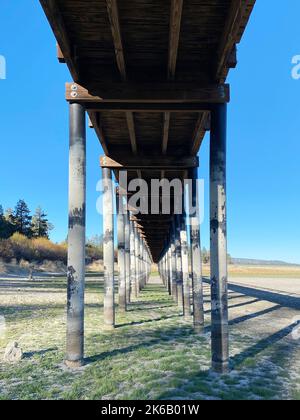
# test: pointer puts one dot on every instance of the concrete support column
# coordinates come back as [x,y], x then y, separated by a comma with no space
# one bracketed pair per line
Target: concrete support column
[132,260]
[108,249]
[121,252]
[137,261]
[169,270]
[218,245]
[179,275]
[185,268]
[141,279]
[196,257]
[76,237]
[173,265]
[127,257]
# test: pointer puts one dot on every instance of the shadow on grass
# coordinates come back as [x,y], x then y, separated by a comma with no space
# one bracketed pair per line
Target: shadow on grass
[162,318]
[167,335]
[283,300]
[263,295]
[31,354]
[261,345]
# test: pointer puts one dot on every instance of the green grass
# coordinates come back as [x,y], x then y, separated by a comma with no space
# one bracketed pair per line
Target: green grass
[152,354]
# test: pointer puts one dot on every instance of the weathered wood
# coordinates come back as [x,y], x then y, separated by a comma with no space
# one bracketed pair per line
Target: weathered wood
[148,108]
[167,117]
[175,22]
[57,23]
[218,238]
[168,92]
[146,33]
[131,163]
[238,12]
[76,237]
[113,13]
[60,55]
[131,129]
[199,132]
[95,121]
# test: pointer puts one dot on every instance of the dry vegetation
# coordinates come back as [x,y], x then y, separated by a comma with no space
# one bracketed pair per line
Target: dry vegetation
[260,271]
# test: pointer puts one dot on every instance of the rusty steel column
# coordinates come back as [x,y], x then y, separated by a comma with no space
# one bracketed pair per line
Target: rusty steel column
[196,257]
[179,276]
[76,237]
[132,259]
[121,253]
[108,250]
[127,256]
[185,268]
[218,245]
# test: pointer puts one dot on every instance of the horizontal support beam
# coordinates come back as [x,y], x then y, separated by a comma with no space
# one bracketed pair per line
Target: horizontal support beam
[162,162]
[147,107]
[169,92]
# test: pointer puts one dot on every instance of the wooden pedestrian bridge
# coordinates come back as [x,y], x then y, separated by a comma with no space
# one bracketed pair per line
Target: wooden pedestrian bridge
[151,75]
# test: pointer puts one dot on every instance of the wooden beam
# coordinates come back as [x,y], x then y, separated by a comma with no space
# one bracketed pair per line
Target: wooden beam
[175,25]
[56,21]
[199,132]
[158,93]
[131,129]
[167,118]
[239,11]
[113,14]
[166,162]
[147,107]
[95,121]
[60,55]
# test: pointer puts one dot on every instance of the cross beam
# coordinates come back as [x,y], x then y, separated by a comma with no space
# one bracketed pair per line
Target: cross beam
[168,92]
[163,162]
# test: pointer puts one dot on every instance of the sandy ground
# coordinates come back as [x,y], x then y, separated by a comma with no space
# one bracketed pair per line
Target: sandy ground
[290,286]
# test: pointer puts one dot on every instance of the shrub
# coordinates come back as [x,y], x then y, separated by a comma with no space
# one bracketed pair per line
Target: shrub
[39,249]
[47,250]
[22,247]
[6,250]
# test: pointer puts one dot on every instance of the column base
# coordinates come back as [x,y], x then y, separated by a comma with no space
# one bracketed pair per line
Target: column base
[220,367]
[122,310]
[198,328]
[74,364]
[108,327]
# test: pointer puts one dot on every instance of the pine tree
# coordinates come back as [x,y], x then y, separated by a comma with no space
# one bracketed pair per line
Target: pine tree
[22,218]
[6,225]
[40,226]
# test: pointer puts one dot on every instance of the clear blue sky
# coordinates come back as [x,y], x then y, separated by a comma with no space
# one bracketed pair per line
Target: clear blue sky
[263,130]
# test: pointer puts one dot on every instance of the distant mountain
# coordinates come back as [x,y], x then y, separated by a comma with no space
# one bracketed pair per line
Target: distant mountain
[247,261]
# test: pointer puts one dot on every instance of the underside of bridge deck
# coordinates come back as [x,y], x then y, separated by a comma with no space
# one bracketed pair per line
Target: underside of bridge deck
[152,77]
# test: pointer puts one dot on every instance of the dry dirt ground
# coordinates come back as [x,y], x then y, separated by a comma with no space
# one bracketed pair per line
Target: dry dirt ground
[153,353]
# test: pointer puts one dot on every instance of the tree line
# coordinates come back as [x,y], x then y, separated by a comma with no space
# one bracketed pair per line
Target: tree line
[21,221]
